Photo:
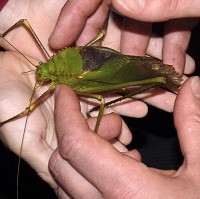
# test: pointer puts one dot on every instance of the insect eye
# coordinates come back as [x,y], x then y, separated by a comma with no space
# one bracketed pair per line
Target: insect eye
[45,78]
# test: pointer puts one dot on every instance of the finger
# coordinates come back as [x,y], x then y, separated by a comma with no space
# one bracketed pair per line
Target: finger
[131,108]
[159,98]
[153,11]
[125,137]
[93,25]
[155,49]
[106,129]
[135,154]
[112,127]
[62,194]
[85,151]
[135,37]
[118,145]
[177,35]
[187,117]
[68,179]
[113,33]
[74,14]
[35,149]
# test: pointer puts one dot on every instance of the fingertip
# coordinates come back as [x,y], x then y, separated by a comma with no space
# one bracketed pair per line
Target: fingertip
[195,85]
[67,109]
[125,137]
[110,125]
[135,154]
[187,103]
[65,92]
[189,65]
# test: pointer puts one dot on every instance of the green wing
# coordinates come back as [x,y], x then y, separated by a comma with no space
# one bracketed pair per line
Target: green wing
[105,66]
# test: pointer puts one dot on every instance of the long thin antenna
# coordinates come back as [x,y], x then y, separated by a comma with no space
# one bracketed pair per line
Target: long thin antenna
[18,51]
[26,24]
[31,106]
[23,136]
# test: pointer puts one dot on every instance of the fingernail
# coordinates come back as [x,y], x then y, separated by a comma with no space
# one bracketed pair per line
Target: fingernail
[195,85]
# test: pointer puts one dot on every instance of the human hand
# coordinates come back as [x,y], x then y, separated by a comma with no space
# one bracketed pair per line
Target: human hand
[128,36]
[157,11]
[16,88]
[40,136]
[87,166]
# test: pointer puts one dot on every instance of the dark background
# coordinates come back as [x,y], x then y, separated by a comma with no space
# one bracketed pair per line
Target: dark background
[154,136]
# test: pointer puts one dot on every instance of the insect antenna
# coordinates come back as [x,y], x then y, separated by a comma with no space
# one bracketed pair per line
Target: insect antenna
[18,51]
[29,71]
[22,141]
[25,125]
[32,105]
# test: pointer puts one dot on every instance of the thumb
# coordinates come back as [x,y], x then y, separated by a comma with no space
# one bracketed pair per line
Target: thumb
[187,120]
[152,10]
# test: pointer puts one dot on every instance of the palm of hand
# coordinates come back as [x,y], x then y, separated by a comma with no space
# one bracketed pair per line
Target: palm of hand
[40,138]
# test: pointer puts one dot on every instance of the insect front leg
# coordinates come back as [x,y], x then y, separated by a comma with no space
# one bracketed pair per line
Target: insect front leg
[30,108]
[101,33]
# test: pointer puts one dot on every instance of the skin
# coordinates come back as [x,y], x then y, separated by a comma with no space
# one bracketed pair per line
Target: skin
[163,10]
[87,166]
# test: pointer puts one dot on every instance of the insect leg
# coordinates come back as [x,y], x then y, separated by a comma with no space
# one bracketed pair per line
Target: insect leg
[129,95]
[27,25]
[30,108]
[101,33]
[101,107]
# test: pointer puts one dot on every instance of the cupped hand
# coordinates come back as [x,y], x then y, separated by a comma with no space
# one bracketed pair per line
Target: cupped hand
[40,135]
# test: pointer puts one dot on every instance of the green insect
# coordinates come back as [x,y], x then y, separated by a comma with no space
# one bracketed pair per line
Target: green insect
[93,71]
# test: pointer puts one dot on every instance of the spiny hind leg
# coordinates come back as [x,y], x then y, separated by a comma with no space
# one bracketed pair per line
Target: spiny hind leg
[129,95]
[101,34]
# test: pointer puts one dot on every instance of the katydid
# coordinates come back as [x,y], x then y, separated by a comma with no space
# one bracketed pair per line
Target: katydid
[93,71]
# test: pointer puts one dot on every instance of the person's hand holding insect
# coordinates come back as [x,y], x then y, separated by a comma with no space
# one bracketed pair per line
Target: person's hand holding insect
[40,137]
